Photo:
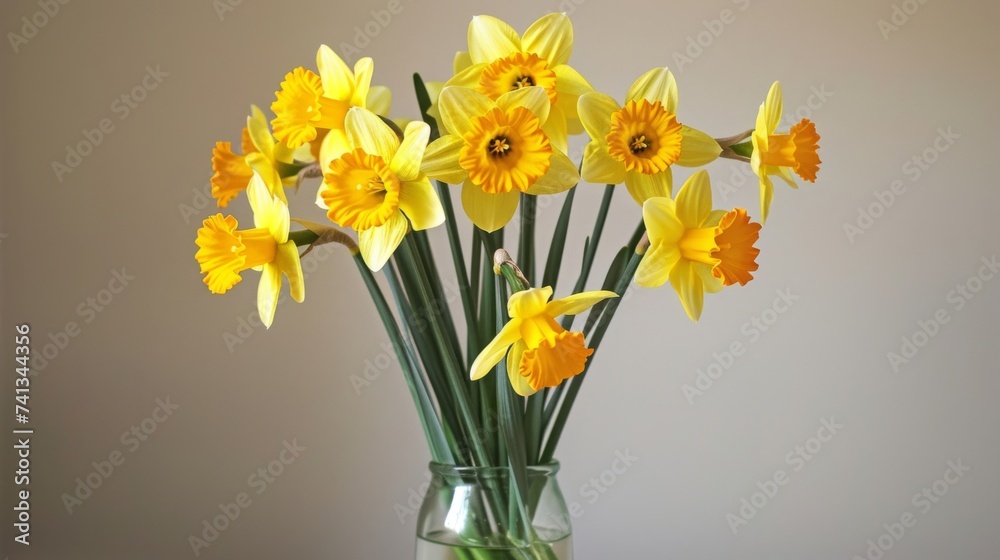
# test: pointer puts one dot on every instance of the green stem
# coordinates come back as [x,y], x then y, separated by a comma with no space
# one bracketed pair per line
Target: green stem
[591,251]
[526,240]
[554,261]
[595,342]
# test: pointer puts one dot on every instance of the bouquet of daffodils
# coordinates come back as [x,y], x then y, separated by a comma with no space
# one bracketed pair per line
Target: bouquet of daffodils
[497,130]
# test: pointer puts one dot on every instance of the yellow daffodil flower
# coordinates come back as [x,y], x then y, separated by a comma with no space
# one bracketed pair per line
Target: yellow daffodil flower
[499,60]
[542,353]
[636,144]
[375,185]
[780,154]
[230,172]
[224,252]
[308,106]
[698,249]
[497,150]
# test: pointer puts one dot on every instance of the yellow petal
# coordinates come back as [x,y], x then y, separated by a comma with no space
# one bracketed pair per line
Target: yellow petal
[532,98]
[287,260]
[338,80]
[518,381]
[489,212]
[458,106]
[363,70]
[599,167]
[709,282]
[490,39]
[697,148]
[378,243]
[687,283]
[528,303]
[260,201]
[366,130]
[656,85]
[561,176]
[555,129]
[662,224]
[773,108]
[495,350]
[267,292]
[577,303]
[694,201]
[419,201]
[785,174]
[441,160]
[461,62]
[643,187]
[468,77]
[379,100]
[551,38]
[335,144]
[406,163]
[655,266]
[272,179]
[595,111]
[570,82]
[766,194]
[260,132]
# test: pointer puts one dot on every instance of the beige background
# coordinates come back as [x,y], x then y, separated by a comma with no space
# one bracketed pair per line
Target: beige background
[128,206]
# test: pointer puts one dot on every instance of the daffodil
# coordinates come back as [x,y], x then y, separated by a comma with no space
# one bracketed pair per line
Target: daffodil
[224,252]
[497,150]
[541,352]
[376,185]
[781,154]
[309,105]
[636,144]
[698,249]
[499,60]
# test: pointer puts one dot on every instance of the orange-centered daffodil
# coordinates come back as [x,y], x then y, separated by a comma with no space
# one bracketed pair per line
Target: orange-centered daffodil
[781,154]
[497,150]
[698,249]
[375,185]
[499,61]
[309,105]
[636,144]
[542,353]
[224,252]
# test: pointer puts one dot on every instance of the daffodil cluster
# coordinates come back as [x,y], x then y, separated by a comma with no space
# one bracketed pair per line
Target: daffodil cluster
[499,129]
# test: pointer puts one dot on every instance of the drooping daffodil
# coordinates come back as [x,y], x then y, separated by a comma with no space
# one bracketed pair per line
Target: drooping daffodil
[694,247]
[224,252]
[375,185]
[781,154]
[541,352]
[636,144]
[497,150]
[499,60]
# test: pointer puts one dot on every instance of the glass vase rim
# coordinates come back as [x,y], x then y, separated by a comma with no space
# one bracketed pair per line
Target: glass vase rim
[448,469]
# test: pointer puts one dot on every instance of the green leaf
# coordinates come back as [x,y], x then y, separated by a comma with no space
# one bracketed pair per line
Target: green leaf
[554,261]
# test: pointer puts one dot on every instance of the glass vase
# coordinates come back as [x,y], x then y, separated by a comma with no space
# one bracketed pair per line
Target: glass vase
[476,513]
